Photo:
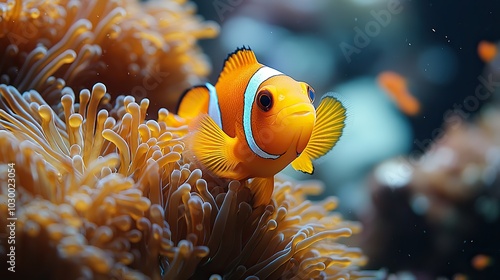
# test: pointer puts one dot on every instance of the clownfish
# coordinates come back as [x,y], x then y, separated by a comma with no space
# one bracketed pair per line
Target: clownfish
[255,121]
[396,87]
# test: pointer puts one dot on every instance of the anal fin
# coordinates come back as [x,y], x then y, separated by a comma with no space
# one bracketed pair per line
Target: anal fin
[262,190]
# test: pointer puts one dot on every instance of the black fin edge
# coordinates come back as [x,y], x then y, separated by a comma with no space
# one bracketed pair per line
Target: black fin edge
[242,48]
[183,94]
[312,172]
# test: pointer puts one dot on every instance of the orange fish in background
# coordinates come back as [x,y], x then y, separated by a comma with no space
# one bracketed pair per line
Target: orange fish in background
[255,121]
[487,51]
[480,261]
[460,276]
[395,85]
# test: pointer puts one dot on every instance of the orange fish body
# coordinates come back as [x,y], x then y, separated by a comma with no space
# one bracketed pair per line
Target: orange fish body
[255,121]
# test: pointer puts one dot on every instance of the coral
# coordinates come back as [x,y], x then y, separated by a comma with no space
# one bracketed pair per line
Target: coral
[137,48]
[109,194]
[447,202]
[102,190]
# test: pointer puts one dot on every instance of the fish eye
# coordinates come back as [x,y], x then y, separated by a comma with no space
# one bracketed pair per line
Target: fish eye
[311,94]
[264,100]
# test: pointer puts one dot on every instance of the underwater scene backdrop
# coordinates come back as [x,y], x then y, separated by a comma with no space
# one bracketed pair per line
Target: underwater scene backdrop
[418,161]
[104,176]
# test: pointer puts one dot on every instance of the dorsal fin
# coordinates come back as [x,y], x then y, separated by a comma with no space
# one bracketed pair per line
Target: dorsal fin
[237,59]
[193,102]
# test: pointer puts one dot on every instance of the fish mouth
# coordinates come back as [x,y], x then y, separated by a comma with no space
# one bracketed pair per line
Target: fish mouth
[301,113]
[296,110]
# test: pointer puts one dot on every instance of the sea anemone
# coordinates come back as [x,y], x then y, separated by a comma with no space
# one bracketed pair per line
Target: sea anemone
[102,191]
[109,195]
[137,48]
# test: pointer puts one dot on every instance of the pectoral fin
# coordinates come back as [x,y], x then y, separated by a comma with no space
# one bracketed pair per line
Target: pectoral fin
[330,122]
[213,148]
[262,190]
